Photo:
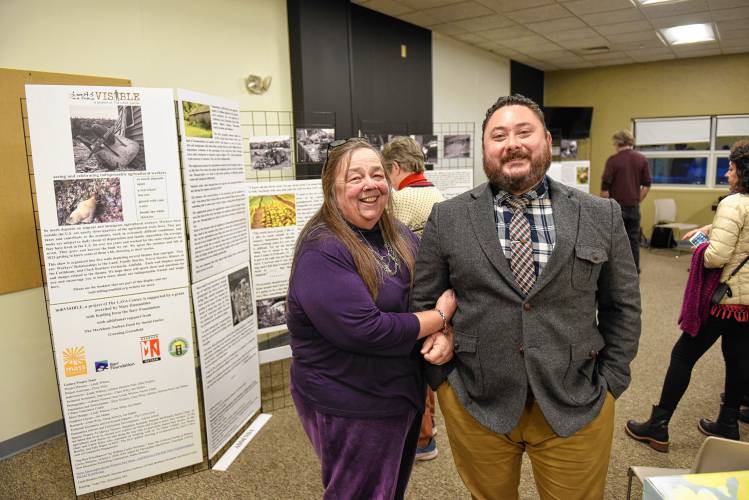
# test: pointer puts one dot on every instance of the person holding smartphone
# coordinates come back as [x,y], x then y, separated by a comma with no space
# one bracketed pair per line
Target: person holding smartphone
[728,247]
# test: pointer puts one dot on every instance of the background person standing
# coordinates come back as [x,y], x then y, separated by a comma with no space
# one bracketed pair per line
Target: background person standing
[626,179]
[413,199]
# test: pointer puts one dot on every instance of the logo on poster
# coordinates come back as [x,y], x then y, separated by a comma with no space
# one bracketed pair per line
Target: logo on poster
[178,347]
[100,366]
[74,361]
[150,349]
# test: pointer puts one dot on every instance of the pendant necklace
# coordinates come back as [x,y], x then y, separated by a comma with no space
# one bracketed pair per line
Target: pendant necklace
[390,264]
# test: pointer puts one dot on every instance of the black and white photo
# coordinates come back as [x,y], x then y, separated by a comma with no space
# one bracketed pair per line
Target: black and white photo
[312,144]
[568,148]
[271,312]
[107,137]
[457,146]
[270,152]
[428,145]
[240,292]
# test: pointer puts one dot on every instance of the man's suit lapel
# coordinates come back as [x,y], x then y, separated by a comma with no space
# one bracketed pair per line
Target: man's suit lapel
[566,209]
[481,212]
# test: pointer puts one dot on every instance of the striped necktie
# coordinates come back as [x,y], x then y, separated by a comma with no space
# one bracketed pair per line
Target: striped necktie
[521,246]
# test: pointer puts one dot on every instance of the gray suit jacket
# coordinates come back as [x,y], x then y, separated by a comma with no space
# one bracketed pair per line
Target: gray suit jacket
[571,339]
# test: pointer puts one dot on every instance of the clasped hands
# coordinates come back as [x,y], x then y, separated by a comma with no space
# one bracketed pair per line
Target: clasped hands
[438,347]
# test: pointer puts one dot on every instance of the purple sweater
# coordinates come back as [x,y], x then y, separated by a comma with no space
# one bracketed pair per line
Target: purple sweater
[352,356]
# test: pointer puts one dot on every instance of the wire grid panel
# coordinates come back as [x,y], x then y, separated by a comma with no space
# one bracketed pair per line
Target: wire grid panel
[267,164]
[142,483]
[455,144]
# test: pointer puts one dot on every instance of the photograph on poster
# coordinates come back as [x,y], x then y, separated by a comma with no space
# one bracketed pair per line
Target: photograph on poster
[270,153]
[107,137]
[86,201]
[312,144]
[276,210]
[568,148]
[271,312]
[197,118]
[457,146]
[583,174]
[240,292]
[428,145]
[377,140]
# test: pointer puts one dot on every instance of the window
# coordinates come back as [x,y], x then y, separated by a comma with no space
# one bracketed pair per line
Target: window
[689,151]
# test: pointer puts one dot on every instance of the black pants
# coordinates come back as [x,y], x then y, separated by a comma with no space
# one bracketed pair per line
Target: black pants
[688,350]
[631,216]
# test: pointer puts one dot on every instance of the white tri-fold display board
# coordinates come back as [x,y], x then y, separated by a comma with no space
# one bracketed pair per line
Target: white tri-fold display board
[111,213]
[110,209]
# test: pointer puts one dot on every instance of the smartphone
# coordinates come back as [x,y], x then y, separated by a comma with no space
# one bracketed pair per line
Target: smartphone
[698,239]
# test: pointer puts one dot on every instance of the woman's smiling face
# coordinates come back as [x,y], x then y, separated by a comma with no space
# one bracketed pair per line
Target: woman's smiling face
[362,189]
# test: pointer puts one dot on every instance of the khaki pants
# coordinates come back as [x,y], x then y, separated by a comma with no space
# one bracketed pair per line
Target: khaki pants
[564,468]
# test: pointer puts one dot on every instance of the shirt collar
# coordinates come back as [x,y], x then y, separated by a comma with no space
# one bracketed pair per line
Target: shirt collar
[417,177]
[537,192]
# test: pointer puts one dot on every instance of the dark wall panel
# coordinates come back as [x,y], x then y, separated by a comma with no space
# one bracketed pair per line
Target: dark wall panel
[527,81]
[390,93]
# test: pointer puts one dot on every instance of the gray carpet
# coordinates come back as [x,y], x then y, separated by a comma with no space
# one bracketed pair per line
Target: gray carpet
[279,462]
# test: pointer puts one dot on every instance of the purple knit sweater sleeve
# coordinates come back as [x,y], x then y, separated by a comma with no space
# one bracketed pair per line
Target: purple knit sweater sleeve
[337,303]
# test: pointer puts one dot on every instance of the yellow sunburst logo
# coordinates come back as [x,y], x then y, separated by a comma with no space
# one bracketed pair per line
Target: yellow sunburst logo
[74,361]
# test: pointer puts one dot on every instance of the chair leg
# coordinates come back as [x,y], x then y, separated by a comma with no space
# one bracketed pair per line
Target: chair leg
[629,484]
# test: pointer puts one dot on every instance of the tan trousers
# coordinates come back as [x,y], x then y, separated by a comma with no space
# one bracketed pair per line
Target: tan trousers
[564,468]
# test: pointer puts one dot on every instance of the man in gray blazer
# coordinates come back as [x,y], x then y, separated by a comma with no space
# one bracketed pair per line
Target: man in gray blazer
[548,317]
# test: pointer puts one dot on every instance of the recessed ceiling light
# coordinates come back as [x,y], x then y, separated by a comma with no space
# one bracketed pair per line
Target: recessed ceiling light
[689,33]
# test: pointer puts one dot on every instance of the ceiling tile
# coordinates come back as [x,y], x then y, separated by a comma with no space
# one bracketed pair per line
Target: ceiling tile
[733,35]
[529,61]
[726,4]
[485,23]
[543,13]
[650,54]
[458,11]
[736,42]
[736,50]
[736,24]
[444,28]
[612,54]
[502,6]
[698,53]
[615,16]
[696,18]
[421,18]
[729,14]
[425,4]
[389,7]
[470,38]
[546,66]
[576,65]
[694,47]
[583,7]
[548,50]
[628,27]
[641,44]
[674,8]
[563,24]
[561,36]
[507,33]
[641,36]
[528,42]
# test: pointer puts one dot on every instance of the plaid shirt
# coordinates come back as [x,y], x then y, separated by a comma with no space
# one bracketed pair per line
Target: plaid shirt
[540,217]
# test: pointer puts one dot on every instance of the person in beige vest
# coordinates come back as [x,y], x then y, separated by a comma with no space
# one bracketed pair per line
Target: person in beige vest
[413,199]
[729,246]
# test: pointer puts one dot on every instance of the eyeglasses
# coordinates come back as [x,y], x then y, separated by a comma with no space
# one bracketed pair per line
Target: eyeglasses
[339,142]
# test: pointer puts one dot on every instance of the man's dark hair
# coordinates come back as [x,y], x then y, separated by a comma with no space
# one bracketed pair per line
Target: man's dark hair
[513,100]
[740,157]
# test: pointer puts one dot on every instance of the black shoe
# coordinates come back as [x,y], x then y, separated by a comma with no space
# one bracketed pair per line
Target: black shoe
[654,431]
[726,426]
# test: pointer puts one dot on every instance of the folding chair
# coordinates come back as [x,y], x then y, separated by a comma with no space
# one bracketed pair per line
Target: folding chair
[715,455]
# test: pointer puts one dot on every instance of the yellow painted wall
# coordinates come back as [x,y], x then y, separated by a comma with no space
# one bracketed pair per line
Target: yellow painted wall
[699,86]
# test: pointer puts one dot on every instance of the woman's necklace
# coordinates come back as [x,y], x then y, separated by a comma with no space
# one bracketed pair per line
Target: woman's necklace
[390,264]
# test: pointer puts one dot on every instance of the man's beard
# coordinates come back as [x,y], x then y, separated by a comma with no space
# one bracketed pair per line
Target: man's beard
[539,166]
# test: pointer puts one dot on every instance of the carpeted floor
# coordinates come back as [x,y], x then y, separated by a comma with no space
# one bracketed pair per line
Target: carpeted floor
[279,462]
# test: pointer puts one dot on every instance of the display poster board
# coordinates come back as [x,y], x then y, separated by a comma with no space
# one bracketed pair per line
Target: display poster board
[220,258]
[451,182]
[111,217]
[278,211]
[575,174]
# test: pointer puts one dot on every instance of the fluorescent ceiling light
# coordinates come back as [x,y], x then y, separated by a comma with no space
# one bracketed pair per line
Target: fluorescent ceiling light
[689,33]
